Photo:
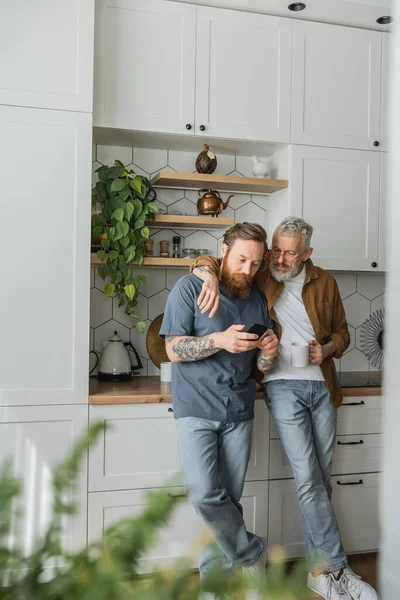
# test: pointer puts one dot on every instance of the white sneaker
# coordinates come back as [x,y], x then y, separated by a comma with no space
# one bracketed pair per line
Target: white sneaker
[356,588]
[327,587]
[255,577]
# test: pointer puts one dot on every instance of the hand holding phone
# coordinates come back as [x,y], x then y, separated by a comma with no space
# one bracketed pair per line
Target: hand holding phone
[257,329]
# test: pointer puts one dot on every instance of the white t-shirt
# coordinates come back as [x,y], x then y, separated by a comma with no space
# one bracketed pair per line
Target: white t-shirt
[296,327]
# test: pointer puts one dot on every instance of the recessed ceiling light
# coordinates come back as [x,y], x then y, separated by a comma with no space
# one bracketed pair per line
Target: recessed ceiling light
[296,6]
[384,20]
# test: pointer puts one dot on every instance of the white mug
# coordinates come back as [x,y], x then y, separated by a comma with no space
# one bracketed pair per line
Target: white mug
[300,354]
[166,371]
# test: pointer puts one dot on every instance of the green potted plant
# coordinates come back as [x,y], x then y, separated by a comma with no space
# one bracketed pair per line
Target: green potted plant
[126,203]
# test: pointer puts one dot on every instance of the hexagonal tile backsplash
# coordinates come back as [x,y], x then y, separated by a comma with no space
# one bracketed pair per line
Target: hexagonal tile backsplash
[362,293]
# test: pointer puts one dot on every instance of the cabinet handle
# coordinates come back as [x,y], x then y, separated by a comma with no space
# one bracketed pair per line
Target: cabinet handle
[178,496]
[376,144]
[374,265]
[188,126]
[350,443]
[353,403]
[170,410]
[360,482]
[202,127]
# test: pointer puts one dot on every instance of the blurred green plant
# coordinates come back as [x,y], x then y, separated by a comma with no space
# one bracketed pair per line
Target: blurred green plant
[126,203]
[109,569]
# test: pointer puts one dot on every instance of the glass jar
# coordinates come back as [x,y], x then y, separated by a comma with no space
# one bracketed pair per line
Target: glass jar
[164,251]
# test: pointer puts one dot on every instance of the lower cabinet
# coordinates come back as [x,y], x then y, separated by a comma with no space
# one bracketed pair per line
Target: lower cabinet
[139,447]
[36,438]
[182,535]
[355,499]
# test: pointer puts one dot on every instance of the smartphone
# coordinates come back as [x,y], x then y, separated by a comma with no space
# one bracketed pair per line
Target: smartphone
[255,328]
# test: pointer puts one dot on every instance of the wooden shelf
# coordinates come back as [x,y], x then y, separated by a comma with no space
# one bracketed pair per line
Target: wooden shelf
[191,222]
[225,183]
[153,261]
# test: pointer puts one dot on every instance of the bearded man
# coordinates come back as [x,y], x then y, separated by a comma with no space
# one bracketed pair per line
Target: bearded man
[306,308]
[213,396]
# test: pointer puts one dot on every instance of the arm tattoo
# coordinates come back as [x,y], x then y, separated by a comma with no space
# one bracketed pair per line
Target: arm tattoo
[265,363]
[205,268]
[190,349]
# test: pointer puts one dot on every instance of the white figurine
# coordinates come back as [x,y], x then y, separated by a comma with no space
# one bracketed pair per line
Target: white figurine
[260,169]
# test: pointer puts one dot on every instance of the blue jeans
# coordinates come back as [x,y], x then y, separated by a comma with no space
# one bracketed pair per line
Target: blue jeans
[214,458]
[306,420]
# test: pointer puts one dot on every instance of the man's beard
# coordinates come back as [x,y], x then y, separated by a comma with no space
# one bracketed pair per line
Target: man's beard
[287,275]
[236,285]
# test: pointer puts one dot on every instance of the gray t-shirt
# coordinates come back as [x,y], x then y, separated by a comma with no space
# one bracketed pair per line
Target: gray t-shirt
[220,387]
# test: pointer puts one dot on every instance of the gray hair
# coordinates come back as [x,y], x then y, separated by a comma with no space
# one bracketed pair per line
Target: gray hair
[291,226]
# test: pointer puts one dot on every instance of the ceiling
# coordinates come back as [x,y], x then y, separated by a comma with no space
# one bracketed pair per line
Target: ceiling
[354,13]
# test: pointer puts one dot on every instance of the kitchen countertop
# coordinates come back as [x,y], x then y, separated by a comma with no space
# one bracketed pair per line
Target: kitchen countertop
[150,390]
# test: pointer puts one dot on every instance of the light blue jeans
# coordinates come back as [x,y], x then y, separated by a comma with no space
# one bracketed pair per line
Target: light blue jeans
[214,458]
[306,420]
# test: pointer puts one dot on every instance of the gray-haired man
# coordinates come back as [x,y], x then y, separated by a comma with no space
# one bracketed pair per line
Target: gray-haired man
[305,305]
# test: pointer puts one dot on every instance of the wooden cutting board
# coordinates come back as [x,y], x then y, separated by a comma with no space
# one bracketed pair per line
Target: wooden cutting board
[154,344]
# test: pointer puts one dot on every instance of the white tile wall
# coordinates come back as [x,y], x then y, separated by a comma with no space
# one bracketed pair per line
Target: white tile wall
[362,293]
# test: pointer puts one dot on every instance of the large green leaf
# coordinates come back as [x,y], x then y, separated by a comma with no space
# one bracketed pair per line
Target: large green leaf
[101,255]
[137,206]
[130,291]
[139,223]
[125,227]
[102,271]
[105,244]
[129,210]
[120,232]
[136,184]
[145,231]
[124,242]
[109,289]
[118,214]
[141,326]
[114,172]
[117,185]
[98,230]
[129,254]
[113,254]
[152,207]
[97,219]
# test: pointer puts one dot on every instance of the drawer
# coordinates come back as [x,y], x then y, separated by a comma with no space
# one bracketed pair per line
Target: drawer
[139,447]
[353,454]
[180,535]
[358,414]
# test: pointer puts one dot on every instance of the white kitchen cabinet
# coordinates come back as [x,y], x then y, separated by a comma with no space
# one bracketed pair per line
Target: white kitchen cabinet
[46,54]
[243,73]
[139,447]
[45,207]
[185,527]
[37,438]
[145,65]
[336,86]
[355,500]
[385,92]
[337,191]
[360,415]
[384,218]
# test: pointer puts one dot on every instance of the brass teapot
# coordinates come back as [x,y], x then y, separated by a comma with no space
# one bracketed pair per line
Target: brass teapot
[211,203]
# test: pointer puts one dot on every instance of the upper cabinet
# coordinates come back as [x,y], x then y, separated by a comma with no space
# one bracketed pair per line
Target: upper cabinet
[147,69]
[338,192]
[145,65]
[385,91]
[243,73]
[46,54]
[336,86]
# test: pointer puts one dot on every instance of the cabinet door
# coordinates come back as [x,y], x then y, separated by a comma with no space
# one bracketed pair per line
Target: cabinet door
[356,502]
[45,208]
[184,528]
[384,219]
[37,438]
[46,54]
[360,414]
[145,65]
[285,524]
[139,448]
[243,70]
[337,191]
[336,86]
[385,104]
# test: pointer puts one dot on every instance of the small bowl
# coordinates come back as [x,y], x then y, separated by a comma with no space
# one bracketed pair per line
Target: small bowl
[203,251]
[189,253]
